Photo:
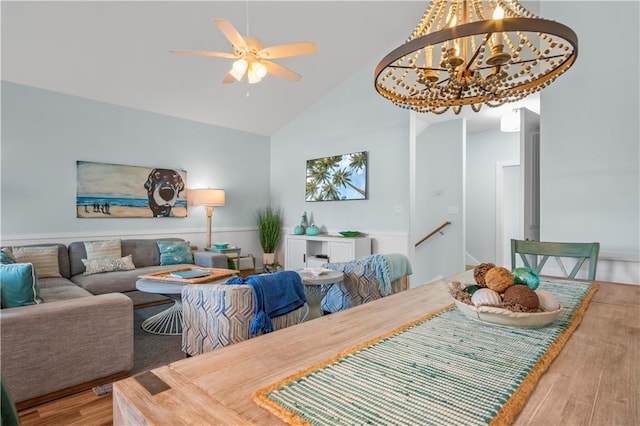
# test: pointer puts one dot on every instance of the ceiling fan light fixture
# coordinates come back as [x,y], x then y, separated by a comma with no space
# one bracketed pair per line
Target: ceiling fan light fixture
[239,68]
[252,58]
[259,69]
[256,73]
[474,53]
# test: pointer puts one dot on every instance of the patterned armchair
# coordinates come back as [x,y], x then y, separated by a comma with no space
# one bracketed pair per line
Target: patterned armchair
[220,315]
[365,279]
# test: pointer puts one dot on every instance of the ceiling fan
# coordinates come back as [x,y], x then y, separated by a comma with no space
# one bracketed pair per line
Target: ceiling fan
[252,58]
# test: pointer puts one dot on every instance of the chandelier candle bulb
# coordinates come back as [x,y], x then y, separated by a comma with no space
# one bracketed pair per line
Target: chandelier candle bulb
[498,14]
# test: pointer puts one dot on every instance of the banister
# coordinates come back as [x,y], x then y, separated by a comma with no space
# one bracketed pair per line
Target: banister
[432,233]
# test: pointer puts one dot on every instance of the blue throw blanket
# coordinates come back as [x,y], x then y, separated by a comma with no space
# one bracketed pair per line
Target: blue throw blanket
[276,294]
[388,267]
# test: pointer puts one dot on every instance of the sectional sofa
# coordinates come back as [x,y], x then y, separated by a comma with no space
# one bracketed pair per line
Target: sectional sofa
[82,334]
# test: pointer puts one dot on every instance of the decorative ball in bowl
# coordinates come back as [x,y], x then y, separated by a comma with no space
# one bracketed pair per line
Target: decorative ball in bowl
[349,233]
[221,245]
[499,297]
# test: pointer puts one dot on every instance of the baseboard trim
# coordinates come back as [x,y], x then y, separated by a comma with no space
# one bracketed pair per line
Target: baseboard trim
[28,403]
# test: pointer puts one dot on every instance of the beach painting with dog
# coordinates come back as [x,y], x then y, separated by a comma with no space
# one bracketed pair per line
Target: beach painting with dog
[115,190]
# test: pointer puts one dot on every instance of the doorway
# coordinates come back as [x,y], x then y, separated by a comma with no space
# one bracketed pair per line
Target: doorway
[508,219]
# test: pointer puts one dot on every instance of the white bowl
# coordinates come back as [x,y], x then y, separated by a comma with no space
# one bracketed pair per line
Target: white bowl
[500,316]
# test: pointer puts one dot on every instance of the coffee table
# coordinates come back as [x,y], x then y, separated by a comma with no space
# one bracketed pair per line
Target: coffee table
[169,321]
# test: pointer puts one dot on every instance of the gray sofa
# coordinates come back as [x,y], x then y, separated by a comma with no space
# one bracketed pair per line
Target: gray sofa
[82,335]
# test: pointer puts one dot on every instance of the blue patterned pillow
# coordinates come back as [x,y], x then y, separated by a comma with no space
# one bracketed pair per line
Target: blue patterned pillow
[19,285]
[175,252]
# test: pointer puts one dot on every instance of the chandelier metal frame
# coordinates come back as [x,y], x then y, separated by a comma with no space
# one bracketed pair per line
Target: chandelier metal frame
[486,61]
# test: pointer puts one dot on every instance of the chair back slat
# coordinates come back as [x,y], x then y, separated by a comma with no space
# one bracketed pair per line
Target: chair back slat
[544,250]
[576,268]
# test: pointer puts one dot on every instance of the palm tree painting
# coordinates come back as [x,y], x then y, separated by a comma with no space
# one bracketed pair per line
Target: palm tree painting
[339,177]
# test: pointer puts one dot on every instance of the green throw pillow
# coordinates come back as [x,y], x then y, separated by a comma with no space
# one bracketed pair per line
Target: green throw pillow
[19,285]
[175,252]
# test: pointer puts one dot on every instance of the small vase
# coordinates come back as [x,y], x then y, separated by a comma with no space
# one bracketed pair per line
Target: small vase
[313,230]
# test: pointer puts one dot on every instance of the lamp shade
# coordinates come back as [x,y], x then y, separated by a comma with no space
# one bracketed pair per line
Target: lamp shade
[206,197]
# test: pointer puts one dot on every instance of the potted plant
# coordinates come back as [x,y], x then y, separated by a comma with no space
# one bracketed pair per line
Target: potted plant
[269,221]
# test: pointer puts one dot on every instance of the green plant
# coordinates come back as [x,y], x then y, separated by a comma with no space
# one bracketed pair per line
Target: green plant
[269,220]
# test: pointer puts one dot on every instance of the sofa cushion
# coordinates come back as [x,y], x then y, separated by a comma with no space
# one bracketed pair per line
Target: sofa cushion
[19,285]
[175,252]
[115,282]
[64,291]
[103,249]
[144,252]
[43,258]
[107,264]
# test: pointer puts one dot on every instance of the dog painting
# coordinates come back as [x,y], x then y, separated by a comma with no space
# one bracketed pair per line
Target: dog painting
[163,188]
[120,191]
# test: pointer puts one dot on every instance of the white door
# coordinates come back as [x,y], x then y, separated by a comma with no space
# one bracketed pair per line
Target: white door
[530,174]
[526,213]
[508,216]
[295,254]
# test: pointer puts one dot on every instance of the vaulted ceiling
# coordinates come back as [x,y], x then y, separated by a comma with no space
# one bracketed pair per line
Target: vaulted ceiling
[118,52]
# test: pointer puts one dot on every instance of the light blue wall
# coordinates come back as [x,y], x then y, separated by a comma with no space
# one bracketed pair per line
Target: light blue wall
[484,150]
[589,133]
[44,133]
[352,117]
[439,187]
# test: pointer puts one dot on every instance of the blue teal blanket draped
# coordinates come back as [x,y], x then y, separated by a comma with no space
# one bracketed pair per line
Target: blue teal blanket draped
[276,294]
[388,267]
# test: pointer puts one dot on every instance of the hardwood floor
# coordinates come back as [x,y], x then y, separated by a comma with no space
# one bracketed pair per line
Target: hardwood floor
[85,408]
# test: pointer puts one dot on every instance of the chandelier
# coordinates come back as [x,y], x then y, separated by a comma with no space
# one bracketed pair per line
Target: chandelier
[474,52]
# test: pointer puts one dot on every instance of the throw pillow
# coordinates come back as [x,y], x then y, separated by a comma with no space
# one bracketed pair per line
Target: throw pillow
[175,252]
[43,258]
[107,264]
[6,256]
[103,249]
[19,285]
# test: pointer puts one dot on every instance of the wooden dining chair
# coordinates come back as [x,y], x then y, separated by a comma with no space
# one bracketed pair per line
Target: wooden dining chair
[540,252]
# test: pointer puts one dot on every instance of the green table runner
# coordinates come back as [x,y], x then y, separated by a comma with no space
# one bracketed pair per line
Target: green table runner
[442,369]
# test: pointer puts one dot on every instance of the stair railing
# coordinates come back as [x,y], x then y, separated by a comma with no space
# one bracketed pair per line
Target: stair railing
[432,233]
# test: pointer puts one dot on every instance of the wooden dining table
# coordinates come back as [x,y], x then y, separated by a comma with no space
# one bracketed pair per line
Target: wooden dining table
[595,380]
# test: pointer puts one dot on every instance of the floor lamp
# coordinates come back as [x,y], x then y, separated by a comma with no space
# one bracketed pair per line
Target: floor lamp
[209,198]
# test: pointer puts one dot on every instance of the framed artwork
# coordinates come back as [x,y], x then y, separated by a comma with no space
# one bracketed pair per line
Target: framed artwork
[116,190]
[337,178]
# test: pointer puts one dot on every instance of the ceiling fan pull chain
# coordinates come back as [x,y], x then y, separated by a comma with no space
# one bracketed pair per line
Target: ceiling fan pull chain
[246,15]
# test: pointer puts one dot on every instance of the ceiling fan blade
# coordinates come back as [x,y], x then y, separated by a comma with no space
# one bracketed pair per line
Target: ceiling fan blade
[204,53]
[229,79]
[231,34]
[281,71]
[286,50]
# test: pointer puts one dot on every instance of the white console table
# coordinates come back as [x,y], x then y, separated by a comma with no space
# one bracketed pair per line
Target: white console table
[304,251]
